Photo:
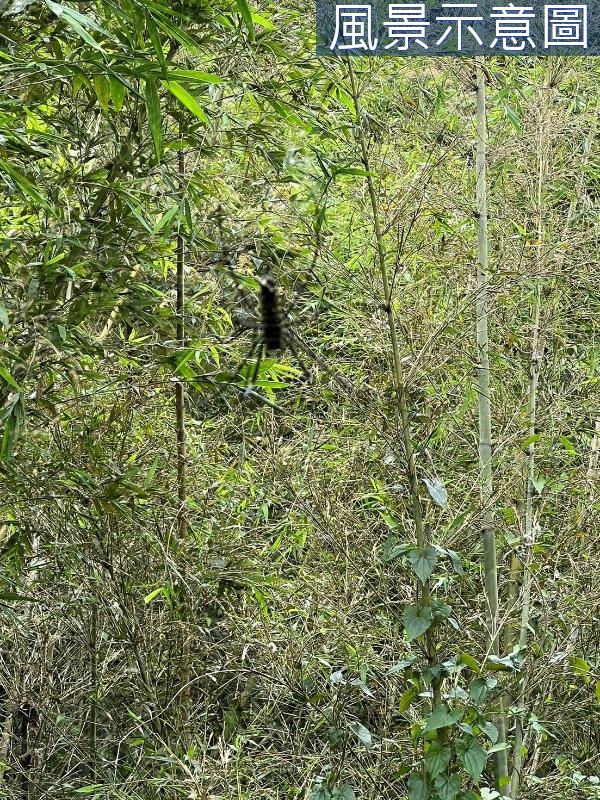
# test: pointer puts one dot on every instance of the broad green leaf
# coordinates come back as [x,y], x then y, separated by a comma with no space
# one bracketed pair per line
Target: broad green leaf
[423,561]
[441,717]
[447,786]
[417,788]
[478,691]
[345,792]
[501,664]
[102,89]
[154,118]
[491,731]
[454,558]
[488,794]
[188,100]
[246,15]
[580,665]
[4,321]
[406,699]
[400,666]
[398,550]
[469,661]
[497,747]
[117,93]
[363,734]
[417,620]
[437,758]
[473,757]
[466,728]
[538,482]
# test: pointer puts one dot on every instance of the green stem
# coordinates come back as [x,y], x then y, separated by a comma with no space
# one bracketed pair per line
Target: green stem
[485,415]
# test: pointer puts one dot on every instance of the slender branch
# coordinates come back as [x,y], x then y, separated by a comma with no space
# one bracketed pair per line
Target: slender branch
[399,381]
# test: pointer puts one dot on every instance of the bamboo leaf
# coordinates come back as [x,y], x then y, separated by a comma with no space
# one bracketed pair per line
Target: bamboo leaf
[117,93]
[195,75]
[407,697]
[188,100]
[246,15]
[154,117]
[8,378]
[102,89]
[25,186]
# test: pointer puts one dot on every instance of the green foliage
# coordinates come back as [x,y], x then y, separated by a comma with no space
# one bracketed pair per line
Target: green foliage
[287,597]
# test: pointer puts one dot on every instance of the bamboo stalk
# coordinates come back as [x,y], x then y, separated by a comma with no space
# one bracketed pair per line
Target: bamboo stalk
[485,415]
[399,384]
[537,347]
[182,522]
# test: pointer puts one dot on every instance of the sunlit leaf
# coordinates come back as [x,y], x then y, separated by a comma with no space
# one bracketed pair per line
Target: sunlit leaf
[188,100]
[437,491]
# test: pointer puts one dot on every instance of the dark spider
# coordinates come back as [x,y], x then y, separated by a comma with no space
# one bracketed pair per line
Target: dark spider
[273,333]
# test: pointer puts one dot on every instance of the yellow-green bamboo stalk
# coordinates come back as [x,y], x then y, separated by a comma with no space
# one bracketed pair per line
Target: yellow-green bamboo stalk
[485,414]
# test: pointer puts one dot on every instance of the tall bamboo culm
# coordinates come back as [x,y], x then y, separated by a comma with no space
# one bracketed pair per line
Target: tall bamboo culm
[485,416]
[182,520]
[537,347]
[399,386]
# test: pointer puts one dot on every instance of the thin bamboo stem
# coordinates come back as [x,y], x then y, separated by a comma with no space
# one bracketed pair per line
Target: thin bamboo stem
[182,521]
[399,382]
[485,414]
[537,347]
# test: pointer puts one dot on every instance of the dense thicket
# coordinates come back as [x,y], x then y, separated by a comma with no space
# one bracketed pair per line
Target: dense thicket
[266,623]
